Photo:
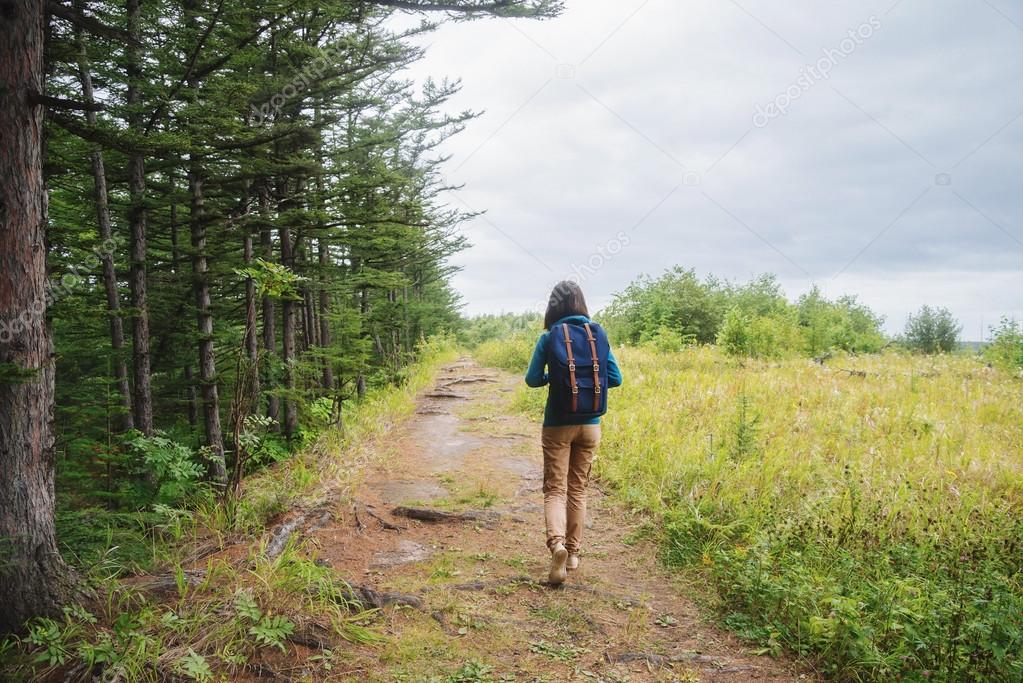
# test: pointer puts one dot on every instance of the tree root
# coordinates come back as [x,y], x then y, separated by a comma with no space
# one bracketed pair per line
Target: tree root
[383,522]
[468,379]
[370,598]
[439,393]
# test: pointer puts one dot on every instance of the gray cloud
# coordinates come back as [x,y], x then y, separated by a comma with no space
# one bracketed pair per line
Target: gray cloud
[900,171]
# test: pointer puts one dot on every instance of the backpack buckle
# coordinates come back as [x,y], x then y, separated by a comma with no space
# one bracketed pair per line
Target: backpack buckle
[596,367]
[571,367]
[575,390]
[596,389]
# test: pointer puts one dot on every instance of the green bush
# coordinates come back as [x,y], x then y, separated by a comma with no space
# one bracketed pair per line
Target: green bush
[489,327]
[759,336]
[1006,347]
[751,320]
[932,330]
[511,353]
[666,339]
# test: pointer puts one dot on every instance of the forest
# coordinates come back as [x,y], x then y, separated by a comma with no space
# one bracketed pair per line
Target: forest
[219,225]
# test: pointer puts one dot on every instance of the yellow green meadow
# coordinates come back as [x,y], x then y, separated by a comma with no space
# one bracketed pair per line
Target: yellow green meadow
[866,512]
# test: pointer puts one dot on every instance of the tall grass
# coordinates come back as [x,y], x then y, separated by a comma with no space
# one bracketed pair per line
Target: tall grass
[867,514]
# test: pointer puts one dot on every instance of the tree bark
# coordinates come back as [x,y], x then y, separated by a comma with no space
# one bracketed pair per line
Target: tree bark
[328,369]
[99,180]
[204,315]
[290,425]
[186,371]
[142,398]
[251,336]
[269,328]
[34,580]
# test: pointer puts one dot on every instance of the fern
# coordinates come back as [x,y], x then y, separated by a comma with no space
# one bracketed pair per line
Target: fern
[194,666]
[272,631]
[246,607]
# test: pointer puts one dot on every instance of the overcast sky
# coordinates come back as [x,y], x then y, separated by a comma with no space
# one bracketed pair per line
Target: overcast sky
[872,148]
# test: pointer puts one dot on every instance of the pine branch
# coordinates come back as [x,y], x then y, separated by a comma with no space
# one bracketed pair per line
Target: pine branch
[90,24]
[59,103]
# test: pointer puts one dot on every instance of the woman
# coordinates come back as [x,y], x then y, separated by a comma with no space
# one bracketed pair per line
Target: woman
[580,367]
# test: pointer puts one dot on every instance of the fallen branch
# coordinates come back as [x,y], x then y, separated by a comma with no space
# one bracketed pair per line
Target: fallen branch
[279,539]
[433,515]
[191,577]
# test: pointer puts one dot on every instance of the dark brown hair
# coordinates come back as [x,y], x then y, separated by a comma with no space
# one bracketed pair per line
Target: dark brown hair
[566,299]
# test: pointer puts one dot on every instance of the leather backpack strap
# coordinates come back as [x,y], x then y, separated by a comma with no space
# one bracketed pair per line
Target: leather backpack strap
[571,368]
[596,367]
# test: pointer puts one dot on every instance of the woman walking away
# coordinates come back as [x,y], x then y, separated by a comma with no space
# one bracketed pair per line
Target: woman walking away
[579,369]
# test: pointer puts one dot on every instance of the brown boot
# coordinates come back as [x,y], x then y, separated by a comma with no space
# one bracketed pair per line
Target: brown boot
[559,558]
[573,562]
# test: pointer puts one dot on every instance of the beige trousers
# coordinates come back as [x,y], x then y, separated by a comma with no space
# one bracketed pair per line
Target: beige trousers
[567,459]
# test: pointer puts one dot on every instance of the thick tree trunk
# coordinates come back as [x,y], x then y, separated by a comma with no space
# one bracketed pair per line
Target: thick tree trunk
[99,180]
[33,578]
[142,398]
[204,314]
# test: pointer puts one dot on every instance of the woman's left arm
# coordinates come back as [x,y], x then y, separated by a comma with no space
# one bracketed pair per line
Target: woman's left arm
[535,375]
[614,373]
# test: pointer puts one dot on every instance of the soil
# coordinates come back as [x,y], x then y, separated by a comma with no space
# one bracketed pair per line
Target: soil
[482,609]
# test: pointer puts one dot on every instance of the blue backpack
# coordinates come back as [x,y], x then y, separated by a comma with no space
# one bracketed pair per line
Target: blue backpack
[577,356]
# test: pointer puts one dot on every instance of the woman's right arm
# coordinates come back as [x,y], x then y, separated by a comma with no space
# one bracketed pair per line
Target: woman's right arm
[535,375]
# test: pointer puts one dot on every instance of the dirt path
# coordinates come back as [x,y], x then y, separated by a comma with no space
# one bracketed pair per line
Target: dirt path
[483,612]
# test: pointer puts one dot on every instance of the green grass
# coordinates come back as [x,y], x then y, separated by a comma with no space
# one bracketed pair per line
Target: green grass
[872,523]
[237,612]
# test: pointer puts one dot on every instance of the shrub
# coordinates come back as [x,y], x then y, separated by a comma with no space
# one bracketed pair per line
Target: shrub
[843,324]
[1006,348]
[759,336]
[752,319]
[932,330]
[169,467]
[511,353]
[489,327]
[667,339]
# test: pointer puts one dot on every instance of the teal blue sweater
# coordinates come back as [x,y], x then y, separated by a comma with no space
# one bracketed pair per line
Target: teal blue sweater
[536,376]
